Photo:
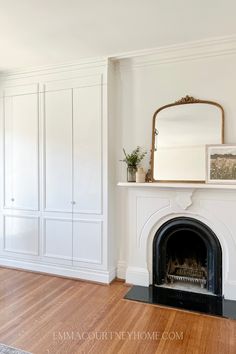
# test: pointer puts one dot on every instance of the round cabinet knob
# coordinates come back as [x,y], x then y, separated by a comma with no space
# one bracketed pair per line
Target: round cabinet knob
[73,202]
[12,199]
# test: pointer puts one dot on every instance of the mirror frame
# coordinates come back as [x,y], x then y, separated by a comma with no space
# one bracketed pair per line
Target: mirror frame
[184,100]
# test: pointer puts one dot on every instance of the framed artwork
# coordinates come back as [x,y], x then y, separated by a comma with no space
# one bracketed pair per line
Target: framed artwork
[221,164]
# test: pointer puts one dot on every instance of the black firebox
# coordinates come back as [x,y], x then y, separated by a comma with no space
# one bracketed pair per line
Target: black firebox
[187,255]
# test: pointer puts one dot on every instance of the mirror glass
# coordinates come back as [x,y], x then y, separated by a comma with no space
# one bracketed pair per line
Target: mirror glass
[180,134]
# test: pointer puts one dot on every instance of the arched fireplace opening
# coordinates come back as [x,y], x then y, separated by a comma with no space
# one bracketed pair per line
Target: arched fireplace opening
[187,256]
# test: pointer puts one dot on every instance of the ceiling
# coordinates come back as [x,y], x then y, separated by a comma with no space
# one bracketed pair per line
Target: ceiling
[42,32]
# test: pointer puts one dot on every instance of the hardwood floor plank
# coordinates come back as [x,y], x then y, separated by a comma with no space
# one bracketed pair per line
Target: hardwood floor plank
[46,314]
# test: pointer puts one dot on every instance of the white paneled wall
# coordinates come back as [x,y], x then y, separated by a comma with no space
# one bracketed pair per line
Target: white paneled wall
[54,210]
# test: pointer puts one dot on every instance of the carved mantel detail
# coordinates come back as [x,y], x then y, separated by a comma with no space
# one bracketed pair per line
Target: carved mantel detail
[184,198]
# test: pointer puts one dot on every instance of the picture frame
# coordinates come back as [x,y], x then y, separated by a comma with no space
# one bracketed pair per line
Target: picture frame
[221,163]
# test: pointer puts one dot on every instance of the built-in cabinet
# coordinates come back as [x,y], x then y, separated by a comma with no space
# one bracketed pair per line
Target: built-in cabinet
[54,174]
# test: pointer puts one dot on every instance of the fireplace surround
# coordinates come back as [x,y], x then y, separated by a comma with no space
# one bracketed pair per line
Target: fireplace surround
[187,255]
[148,208]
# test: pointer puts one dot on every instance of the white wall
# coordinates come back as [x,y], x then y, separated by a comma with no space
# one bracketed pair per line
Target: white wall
[147,83]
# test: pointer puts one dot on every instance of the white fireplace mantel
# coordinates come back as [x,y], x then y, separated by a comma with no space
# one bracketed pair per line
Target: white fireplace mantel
[175,185]
[149,205]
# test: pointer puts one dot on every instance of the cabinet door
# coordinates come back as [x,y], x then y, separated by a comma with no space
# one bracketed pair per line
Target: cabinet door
[87,242]
[58,151]
[21,235]
[21,151]
[57,240]
[87,137]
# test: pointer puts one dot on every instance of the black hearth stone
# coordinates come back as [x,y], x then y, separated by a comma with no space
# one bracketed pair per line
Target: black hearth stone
[209,304]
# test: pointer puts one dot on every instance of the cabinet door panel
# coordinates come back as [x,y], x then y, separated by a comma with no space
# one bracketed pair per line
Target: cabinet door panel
[21,152]
[21,234]
[58,238]
[87,149]
[87,241]
[58,151]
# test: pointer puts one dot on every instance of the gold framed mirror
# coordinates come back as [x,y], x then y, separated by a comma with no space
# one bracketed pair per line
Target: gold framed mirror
[180,132]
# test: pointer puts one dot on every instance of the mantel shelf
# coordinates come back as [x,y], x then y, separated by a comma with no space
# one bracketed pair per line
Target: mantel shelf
[181,185]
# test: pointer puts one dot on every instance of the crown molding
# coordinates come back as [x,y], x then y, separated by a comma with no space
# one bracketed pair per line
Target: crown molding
[210,47]
[54,69]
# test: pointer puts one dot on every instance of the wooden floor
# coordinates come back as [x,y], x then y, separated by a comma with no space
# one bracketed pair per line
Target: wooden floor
[45,314]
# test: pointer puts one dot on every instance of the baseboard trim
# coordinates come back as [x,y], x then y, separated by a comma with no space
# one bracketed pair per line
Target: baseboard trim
[121,269]
[99,276]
